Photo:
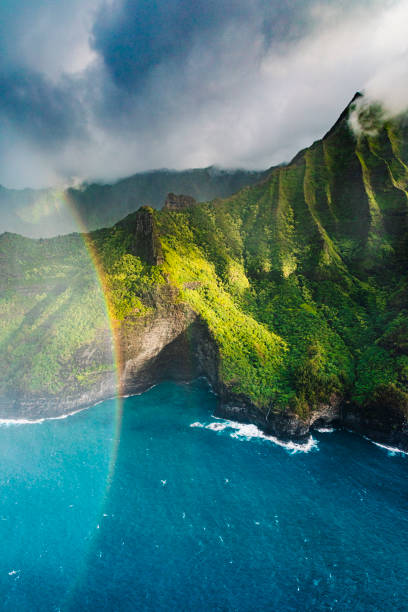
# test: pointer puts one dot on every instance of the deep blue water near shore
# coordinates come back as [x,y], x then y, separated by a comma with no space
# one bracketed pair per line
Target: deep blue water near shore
[194,519]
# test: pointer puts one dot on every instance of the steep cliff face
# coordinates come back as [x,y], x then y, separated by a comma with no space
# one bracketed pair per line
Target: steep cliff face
[59,351]
[290,296]
[145,243]
[170,343]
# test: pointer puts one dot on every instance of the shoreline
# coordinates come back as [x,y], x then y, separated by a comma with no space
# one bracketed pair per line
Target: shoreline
[243,428]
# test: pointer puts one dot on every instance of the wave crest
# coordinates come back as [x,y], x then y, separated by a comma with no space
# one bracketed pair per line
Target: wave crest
[244,431]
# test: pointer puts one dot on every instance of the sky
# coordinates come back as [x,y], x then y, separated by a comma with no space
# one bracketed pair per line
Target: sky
[98,90]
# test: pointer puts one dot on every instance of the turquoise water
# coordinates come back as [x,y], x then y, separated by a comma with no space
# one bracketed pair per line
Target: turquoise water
[176,517]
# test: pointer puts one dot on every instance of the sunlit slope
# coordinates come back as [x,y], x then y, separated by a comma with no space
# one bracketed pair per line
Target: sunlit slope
[301,280]
[52,308]
[317,256]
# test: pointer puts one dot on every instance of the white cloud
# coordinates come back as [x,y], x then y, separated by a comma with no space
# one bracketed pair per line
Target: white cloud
[53,37]
[231,103]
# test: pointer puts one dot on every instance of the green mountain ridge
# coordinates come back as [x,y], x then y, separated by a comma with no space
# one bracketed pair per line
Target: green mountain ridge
[43,213]
[300,281]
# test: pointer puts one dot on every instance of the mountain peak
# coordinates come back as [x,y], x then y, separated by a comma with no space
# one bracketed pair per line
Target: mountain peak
[344,115]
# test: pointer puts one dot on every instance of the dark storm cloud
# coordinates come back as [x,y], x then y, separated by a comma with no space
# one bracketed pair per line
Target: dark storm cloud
[45,113]
[134,38]
[97,89]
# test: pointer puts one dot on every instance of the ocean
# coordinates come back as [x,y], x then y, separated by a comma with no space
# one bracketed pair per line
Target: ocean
[155,504]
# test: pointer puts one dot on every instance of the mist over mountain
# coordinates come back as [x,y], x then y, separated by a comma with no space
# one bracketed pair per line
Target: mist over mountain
[42,213]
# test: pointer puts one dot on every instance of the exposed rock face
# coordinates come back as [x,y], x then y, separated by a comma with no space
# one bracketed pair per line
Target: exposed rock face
[379,425]
[172,343]
[178,202]
[285,425]
[145,241]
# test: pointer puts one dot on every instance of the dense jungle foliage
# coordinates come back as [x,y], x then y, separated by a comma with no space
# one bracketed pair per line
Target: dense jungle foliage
[301,279]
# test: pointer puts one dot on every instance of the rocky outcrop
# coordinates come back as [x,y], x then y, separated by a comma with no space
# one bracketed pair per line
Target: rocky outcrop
[378,423]
[174,343]
[283,424]
[145,242]
[337,412]
[178,202]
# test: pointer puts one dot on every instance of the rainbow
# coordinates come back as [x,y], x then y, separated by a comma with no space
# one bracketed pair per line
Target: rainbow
[64,200]
[112,323]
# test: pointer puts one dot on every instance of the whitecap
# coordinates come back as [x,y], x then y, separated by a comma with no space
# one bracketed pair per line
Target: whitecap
[7,422]
[197,424]
[252,431]
[244,431]
[217,426]
[392,450]
[138,392]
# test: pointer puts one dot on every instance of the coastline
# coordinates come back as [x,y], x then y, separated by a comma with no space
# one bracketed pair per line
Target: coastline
[282,429]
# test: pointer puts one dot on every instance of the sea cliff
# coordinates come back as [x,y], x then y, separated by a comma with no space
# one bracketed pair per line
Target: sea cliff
[290,296]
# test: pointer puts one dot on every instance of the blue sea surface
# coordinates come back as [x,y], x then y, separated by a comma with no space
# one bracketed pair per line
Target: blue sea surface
[133,508]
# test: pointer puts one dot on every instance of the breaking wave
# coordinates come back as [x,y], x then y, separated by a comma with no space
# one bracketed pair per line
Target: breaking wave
[244,431]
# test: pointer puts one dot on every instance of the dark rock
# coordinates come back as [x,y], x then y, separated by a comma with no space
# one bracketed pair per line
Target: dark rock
[178,202]
[145,242]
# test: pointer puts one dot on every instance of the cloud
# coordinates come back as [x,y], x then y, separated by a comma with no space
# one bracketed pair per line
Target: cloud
[102,90]
[42,111]
[135,38]
[47,37]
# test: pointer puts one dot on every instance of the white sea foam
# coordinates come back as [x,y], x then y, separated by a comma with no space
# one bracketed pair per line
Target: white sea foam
[392,450]
[7,422]
[217,426]
[325,429]
[244,431]
[138,393]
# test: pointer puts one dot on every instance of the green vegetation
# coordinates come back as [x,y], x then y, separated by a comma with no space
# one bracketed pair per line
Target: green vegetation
[43,212]
[301,280]
[127,280]
[52,306]
[302,277]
